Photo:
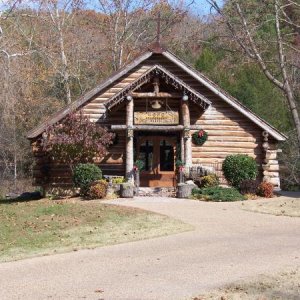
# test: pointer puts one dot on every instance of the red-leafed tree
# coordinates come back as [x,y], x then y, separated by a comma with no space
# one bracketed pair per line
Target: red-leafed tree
[76,140]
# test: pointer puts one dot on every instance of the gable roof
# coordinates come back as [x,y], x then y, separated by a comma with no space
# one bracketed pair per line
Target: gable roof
[177,61]
[194,96]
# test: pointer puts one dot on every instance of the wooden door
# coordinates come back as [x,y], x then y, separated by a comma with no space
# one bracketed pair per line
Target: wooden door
[158,156]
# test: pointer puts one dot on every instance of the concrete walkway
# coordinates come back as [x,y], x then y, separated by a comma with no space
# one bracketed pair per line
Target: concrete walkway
[227,244]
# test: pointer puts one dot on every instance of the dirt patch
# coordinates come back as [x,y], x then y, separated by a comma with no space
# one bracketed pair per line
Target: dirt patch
[279,206]
[283,286]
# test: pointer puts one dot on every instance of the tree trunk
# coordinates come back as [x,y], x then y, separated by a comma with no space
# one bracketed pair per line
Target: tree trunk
[65,71]
[286,82]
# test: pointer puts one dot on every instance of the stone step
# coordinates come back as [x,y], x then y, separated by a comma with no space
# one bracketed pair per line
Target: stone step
[157,192]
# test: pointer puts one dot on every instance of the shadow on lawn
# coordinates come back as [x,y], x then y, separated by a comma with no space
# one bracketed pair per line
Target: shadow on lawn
[24,197]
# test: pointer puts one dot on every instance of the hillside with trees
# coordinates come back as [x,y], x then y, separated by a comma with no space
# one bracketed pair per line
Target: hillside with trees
[54,51]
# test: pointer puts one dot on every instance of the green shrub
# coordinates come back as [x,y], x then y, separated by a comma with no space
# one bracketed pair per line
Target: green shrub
[218,193]
[118,180]
[249,187]
[209,180]
[84,175]
[239,167]
[98,189]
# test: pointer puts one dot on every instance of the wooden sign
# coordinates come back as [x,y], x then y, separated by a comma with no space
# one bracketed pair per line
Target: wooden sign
[156,118]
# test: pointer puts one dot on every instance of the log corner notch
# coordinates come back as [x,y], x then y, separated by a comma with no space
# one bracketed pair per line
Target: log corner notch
[270,165]
[129,142]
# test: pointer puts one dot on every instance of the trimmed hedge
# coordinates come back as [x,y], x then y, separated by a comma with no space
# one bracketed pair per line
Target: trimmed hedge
[84,175]
[217,193]
[239,167]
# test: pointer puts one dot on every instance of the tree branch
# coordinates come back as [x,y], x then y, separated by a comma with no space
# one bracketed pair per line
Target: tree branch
[257,55]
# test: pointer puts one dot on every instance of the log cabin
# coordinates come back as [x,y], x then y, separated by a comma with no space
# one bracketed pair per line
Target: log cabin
[155,104]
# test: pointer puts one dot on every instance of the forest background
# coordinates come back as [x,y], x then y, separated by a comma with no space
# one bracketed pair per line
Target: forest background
[53,51]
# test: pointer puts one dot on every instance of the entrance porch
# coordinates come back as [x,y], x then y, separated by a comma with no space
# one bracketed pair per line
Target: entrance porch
[158,125]
[157,153]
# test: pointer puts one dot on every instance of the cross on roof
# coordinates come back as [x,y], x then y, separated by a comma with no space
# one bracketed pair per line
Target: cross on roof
[158,34]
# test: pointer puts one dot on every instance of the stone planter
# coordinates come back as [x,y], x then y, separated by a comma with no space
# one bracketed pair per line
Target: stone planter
[127,190]
[184,190]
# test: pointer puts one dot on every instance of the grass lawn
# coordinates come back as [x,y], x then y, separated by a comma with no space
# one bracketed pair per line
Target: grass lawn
[46,226]
[283,286]
[279,206]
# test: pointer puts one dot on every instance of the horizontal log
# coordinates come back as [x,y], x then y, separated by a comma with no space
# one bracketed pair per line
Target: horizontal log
[226,122]
[155,127]
[114,89]
[111,161]
[218,145]
[246,129]
[231,133]
[230,138]
[227,150]
[99,100]
[156,95]
[148,127]
[213,156]
[94,109]
[213,160]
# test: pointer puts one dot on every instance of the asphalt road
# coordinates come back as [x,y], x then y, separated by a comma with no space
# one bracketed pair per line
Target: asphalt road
[227,244]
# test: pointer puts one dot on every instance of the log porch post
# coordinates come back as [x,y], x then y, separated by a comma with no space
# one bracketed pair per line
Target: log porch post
[186,134]
[129,142]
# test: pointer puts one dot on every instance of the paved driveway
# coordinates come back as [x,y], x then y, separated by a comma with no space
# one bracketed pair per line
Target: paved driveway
[227,244]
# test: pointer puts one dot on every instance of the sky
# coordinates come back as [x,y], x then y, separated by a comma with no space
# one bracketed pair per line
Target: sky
[197,7]
[201,7]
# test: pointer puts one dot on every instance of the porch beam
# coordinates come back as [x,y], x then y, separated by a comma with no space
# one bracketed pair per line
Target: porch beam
[155,95]
[154,127]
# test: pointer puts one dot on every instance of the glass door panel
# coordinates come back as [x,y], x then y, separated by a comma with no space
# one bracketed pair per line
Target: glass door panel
[166,156]
[146,155]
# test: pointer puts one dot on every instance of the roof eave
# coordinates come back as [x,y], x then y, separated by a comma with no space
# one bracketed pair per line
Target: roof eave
[257,120]
[37,131]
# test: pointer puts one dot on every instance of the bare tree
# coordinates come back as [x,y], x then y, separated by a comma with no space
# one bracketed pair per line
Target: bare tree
[131,25]
[58,15]
[11,55]
[277,64]
[124,26]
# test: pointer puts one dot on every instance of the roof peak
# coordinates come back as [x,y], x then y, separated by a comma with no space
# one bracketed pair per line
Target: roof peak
[156,48]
